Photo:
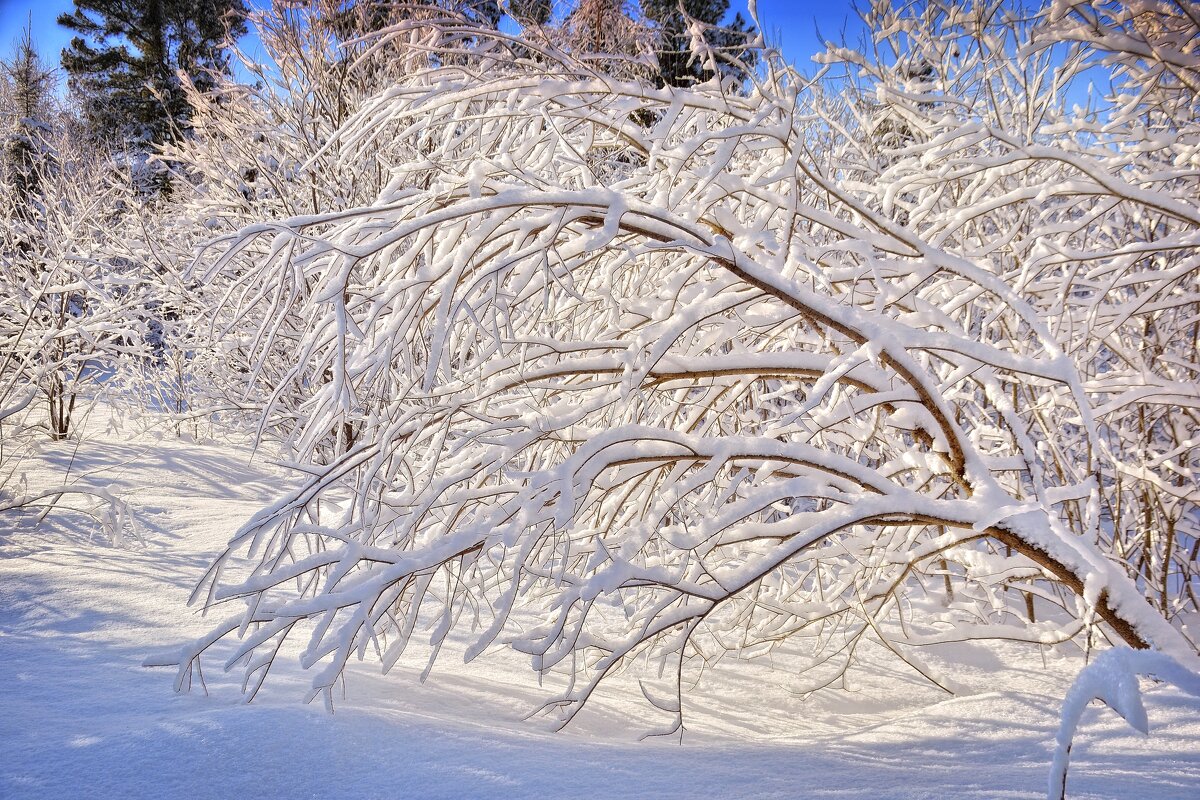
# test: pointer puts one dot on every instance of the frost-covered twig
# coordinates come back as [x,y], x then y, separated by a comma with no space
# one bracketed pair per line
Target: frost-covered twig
[1113,679]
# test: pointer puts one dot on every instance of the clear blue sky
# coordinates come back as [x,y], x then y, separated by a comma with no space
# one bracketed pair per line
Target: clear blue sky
[790,24]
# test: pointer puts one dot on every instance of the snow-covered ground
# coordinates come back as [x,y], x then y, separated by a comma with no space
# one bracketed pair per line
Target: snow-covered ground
[80,716]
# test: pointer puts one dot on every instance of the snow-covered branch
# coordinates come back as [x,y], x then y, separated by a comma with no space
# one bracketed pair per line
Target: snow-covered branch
[608,370]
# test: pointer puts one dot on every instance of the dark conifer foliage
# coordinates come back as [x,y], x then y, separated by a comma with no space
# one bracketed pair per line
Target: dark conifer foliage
[531,12]
[123,65]
[27,104]
[677,66]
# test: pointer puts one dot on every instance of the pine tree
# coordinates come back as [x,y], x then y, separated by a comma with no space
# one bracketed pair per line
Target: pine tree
[531,12]
[25,109]
[486,13]
[677,67]
[126,75]
[601,27]
[372,15]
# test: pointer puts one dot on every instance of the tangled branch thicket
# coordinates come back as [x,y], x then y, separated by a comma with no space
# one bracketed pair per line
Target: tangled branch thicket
[902,352]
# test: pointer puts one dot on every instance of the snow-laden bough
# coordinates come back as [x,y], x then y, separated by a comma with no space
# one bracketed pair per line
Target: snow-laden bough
[611,371]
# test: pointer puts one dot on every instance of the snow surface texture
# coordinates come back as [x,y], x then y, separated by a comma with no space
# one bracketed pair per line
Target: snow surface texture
[83,718]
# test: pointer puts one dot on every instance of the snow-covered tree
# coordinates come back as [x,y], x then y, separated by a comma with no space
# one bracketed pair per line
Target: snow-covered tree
[1137,302]
[1085,212]
[27,107]
[61,203]
[70,312]
[269,152]
[66,311]
[654,371]
[69,309]
[603,27]
[677,23]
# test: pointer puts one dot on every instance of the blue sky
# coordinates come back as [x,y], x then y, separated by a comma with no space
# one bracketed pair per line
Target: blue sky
[790,24]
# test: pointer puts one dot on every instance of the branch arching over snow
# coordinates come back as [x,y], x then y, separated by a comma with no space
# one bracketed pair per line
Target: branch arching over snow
[595,400]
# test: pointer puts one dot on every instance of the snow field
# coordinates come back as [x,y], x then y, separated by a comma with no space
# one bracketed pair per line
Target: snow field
[83,718]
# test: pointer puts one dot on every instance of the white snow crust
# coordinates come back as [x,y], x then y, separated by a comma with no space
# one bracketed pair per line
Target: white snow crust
[83,718]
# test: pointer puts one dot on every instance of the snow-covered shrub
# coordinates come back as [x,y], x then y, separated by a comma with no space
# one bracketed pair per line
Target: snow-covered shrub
[67,300]
[70,311]
[1088,213]
[608,370]
[262,152]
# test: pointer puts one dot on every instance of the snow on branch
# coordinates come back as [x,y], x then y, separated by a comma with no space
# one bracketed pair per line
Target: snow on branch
[1113,680]
[609,371]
